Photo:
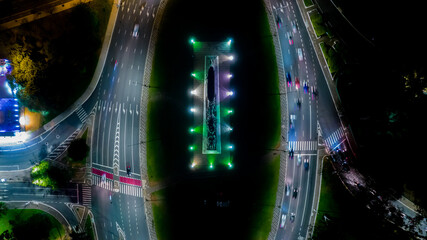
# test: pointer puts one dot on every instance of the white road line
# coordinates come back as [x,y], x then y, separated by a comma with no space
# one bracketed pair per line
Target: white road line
[109,132]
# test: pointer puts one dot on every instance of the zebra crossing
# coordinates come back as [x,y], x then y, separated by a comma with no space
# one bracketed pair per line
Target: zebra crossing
[303,145]
[127,189]
[335,138]
[87,195]
[81,113]
[58,151]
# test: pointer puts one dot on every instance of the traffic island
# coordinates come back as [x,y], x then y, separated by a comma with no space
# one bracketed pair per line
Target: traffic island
[211,110]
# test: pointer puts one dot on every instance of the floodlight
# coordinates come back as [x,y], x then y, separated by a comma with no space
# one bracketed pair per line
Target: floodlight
[229,76]
[230,57]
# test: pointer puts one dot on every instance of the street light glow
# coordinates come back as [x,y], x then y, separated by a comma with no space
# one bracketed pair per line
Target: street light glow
[230,93]
[193,92]
[230,57]
[192,110]
[229,76]
[229,42]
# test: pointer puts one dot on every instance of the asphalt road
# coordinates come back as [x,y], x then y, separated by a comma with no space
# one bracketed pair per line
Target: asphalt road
[316,110]
[21,194]
[115,136]
[114,105]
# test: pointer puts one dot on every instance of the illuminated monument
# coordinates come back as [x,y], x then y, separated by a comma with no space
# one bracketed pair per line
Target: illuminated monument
[211,105]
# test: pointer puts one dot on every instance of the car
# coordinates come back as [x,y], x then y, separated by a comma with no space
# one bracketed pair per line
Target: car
[3,180]
[283,221]
[287,189]
[292,218]
[300,57]
[115,64]
[288,79]
[298,159]
[291,41]
[291,122]
[128,170]
[135,30]
[295,193]
[305,87]
[294,27]
[297,84]
[306,163]
[279,22]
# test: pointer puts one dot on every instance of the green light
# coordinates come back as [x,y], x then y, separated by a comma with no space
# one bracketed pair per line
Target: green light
[211,166]
[230,165]
[191,130]
[229,41]
[230,147]
[192,40]
[193,74]
[230,111]
[191,148]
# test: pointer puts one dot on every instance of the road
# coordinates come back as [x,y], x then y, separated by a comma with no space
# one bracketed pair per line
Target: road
[115,137]
[316,111]
[27,195]
[113,112]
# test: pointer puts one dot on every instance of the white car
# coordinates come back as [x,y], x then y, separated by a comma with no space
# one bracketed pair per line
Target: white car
[288,189]
[135,30]
[3,180]
[300,57]
[298,159]
[282,223]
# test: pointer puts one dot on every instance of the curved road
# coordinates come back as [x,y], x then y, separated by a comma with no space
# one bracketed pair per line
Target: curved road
[113,112]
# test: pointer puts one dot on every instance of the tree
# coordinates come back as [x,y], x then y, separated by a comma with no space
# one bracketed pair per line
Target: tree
[24,68]
[78,149]
[6,235]
[37,226]
[3,208]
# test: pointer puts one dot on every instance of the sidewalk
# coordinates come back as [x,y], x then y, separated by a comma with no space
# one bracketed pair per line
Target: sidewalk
[40,14]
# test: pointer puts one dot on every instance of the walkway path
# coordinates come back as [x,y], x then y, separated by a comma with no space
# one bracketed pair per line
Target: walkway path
[29,15]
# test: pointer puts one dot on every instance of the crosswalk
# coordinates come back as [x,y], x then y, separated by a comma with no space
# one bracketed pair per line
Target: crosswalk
[58,151]
[127,189]
[87,195]
[81,113]
[335,138]
[303,145]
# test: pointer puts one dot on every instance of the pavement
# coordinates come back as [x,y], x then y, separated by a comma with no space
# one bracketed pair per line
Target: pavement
[29,16]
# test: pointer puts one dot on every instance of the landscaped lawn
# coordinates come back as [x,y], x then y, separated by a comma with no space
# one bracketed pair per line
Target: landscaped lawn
[57,231]
[317,21]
